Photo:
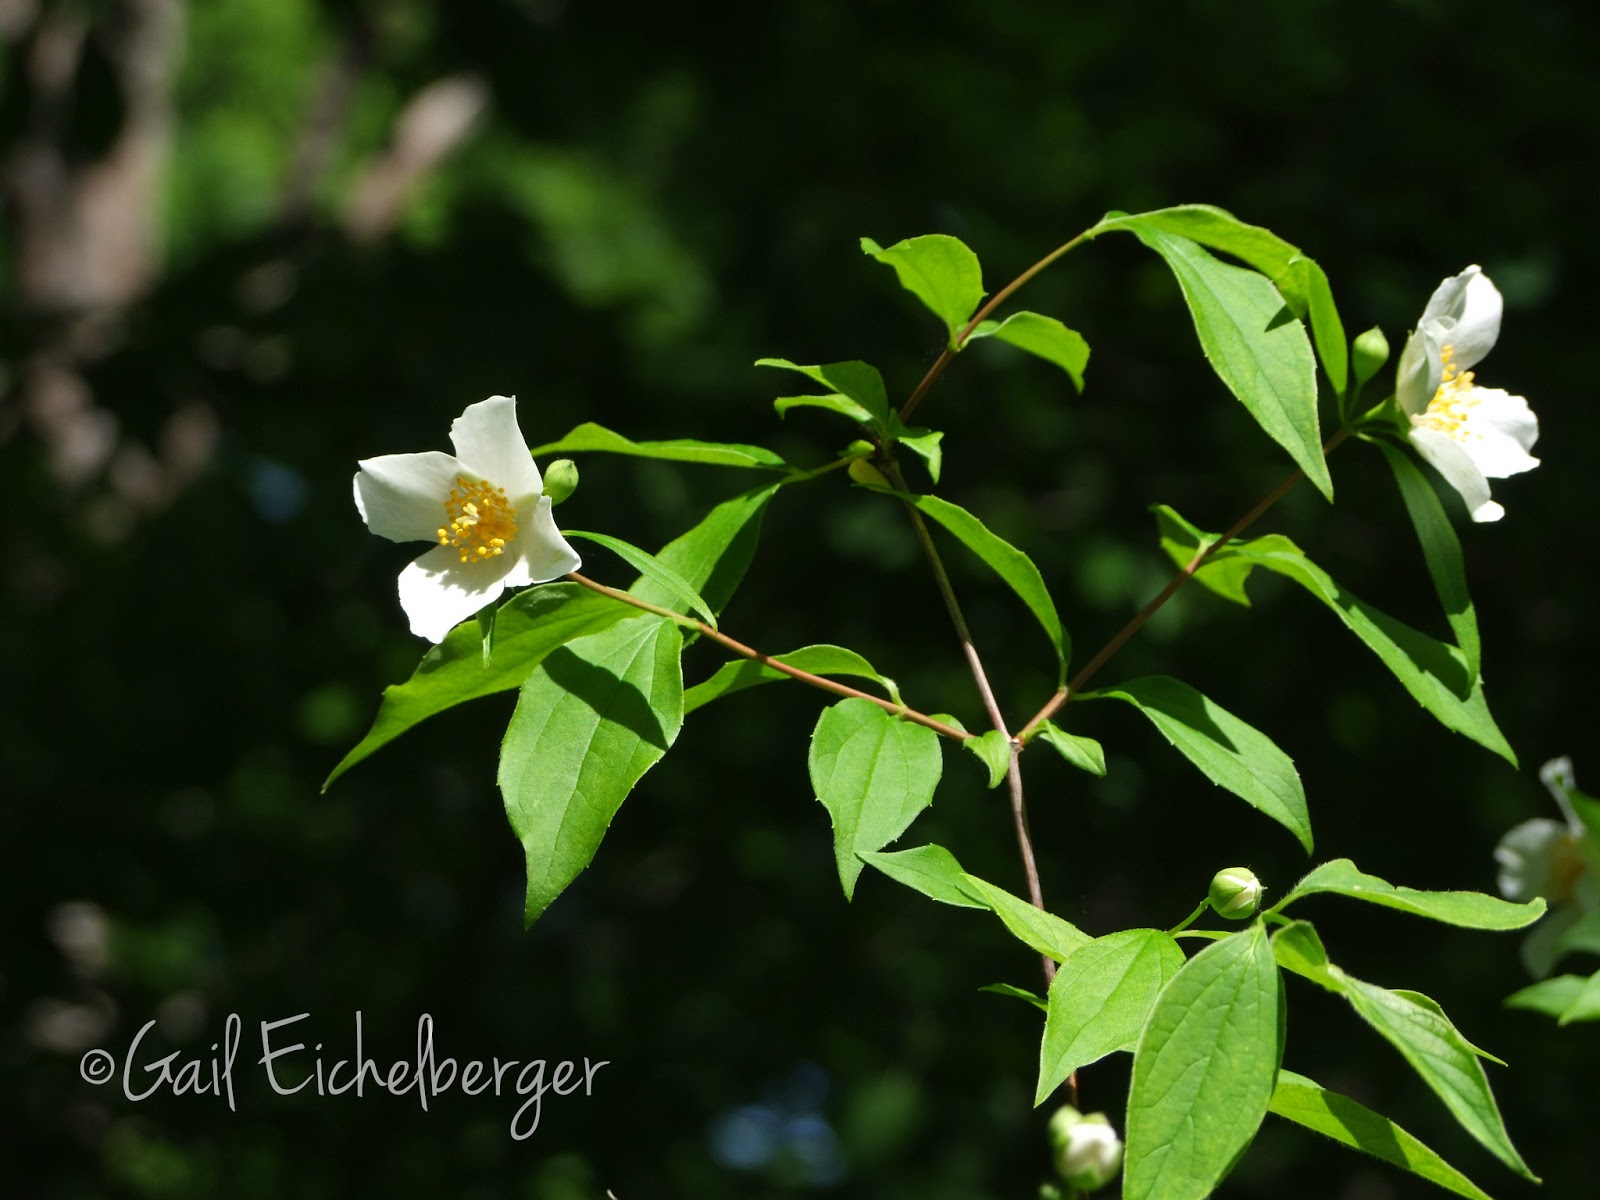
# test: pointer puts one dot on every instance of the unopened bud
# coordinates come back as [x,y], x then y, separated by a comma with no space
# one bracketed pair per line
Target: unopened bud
[1235,892]
[863,471]
[1371,352]
[1088,1152]
[560,479]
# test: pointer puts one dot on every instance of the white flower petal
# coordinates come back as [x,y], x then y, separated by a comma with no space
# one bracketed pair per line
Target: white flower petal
[1508,430]
[490,445]
[438,591]
[1526,855]
[541,553]
[1421,370]
[1451,460]
[1464,314]
[401,496]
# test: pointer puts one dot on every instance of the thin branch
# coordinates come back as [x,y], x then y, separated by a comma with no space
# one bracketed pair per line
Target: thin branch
[1184,574]
[766,660]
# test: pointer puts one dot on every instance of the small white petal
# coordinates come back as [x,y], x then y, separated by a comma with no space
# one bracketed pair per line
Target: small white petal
[1526,855]
[490,445]
[1451,460]
[1464,314]
[401,496]
[1508,429]
[438,591]
[1420,372]
[541,553]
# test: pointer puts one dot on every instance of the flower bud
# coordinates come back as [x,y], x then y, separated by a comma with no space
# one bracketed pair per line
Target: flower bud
[560,479]
[1088,1152]
[863,471]
[1235,892]
[1371,352]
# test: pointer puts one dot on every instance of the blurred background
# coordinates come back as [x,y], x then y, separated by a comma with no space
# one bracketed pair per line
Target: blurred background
[249,241]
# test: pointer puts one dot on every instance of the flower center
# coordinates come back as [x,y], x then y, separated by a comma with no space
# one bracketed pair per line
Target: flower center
[1450,410]
[480,520]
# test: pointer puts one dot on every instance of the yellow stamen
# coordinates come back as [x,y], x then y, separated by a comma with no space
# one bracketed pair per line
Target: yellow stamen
[481,520]
[1450,410]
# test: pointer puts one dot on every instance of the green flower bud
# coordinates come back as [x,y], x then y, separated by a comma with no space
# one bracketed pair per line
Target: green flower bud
[560,479]
[863,471]
[1087,1151]
[1235,892]
[1371,352]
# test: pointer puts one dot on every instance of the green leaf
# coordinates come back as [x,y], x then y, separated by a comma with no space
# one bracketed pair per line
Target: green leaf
[586,729]
[1042,336]
[1006,989]
[1585,1005]
[854,380]
[940,271]
[1441,548]
[652,568]
[1082,752]
[486,621]
[1181,541]
[744,673]
[1204,1070]
[1444,1059]
[993,749]
[590,436]
[1308,1103]
[1011,564]
[1100,1000]
[714,555]
[1470,910]
[1299,950]
[1302,282]
[1228,752]
[931,870]
[1583,935]
[1264,359]
[924,443]
[833,402]
[529,626]
[873,773]
[934,871]
[1434,672]
[1553,997]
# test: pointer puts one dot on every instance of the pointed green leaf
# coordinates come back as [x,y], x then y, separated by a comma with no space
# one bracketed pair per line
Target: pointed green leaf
[1253,344]
[1299,950]
[1228,752]
[924,443]
[1082,752]
[1553,997]
[1302,282]
[654,569]
[1204,1070]
[931,870]
[1044,337]
[590,436]
[1181,541]
[934,871]
[586,728]
[744,673]
[940,271]
[1444,1059]
[1100,1000]
[874,774]
[1011,564]
[1470,910]
[1006,989]
[1434,672]
[993,749]
[1308,1103]
[1441,548]
[529,626]
[832,402]
[854,380]
[1585,1005]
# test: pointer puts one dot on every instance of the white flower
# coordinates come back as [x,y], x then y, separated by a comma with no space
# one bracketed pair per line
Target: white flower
[484,507]
[1088,1152]
[1469,433]
[1553,859]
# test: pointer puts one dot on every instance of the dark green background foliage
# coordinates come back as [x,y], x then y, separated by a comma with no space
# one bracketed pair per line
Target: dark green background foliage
[655,197]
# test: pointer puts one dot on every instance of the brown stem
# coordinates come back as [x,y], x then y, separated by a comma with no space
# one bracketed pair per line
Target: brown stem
[960,340]
[766,660]
[1184,574]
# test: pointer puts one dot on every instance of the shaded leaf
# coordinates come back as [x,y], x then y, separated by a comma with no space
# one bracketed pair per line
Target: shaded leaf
[940,271]
[590,436]
[652,568]
[743,673]
[1044,337]
[1082,752]
[855,380]
[993,749]
[1470,910]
